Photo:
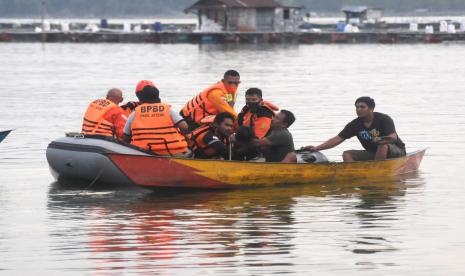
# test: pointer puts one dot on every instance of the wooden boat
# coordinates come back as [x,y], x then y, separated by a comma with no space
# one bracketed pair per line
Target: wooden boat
[4,134]
[170,172]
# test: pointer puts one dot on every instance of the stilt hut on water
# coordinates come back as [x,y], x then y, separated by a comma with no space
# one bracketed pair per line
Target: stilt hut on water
[362,14]
[249,15]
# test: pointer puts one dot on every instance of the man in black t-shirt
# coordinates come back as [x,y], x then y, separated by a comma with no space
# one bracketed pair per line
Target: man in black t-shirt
[375,131]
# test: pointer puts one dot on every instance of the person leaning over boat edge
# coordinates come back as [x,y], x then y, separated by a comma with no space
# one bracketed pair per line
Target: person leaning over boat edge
[257,113]
[375,131]
[154,126]
[211,141]
[104,117]
[278,146]
[219,97]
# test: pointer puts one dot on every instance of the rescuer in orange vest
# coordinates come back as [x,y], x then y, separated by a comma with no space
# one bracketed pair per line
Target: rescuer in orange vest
[254,121]
[154,126]
[211,141]
[104,117]
[257,113]
[220,97]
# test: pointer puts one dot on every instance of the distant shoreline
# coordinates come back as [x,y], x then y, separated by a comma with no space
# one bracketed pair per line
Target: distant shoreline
[193,20]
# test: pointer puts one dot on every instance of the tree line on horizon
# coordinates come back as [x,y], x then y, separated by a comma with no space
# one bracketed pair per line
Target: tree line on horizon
[170,8]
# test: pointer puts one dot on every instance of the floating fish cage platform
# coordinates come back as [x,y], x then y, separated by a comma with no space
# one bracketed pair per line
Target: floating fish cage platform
[233,37]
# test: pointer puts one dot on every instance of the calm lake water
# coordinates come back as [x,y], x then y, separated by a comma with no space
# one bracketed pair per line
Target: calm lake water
[413,226]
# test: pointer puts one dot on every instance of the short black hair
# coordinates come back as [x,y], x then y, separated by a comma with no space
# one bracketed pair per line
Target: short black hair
[290,118]
[220,117]
[369,101]
[254,92]
[149,94]
[232,73]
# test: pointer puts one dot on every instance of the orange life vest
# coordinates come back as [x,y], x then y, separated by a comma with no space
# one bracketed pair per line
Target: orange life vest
[200,107]
[154,130]
[94,123]
[197,145]
[248,116]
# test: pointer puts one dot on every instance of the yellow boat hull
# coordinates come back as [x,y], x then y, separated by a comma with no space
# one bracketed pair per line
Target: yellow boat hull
[152,172]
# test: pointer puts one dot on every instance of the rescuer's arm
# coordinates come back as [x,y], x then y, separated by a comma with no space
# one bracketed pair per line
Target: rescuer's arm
[118,119]
[127,128]
[179,122]
[330,143]
[220,102]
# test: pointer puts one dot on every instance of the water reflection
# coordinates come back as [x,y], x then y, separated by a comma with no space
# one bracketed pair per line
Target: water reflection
[377,212]
[154,231]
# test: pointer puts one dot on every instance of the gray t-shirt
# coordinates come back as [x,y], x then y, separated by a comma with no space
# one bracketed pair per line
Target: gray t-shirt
[281,144]
[127,127]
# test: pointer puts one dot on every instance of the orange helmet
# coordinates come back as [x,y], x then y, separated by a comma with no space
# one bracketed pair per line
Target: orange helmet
[143,83]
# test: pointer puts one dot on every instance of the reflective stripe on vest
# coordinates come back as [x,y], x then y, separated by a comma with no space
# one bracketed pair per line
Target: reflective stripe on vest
[94,123]
[154,130]
[200,107]
[195,138]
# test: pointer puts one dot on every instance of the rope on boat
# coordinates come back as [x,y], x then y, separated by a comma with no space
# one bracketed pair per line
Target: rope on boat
[97,177]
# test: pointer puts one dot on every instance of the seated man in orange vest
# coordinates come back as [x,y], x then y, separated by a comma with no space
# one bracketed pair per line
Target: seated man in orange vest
[104,117]
[254,120]
[211,141]
[154,126]
[257,113]
[220,97]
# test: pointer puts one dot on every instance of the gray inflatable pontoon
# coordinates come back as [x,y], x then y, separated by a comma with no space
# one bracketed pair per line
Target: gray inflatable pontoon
[76,157]
[81,158]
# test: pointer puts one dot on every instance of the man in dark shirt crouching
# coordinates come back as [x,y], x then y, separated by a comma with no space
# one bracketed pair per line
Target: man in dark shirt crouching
[375,131]
[278,146]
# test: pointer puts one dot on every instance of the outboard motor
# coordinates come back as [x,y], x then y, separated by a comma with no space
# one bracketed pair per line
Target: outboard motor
[313,157]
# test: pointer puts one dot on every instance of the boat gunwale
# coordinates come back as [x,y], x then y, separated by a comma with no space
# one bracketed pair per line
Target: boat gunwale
[93,148]
[333,166]
[410,154]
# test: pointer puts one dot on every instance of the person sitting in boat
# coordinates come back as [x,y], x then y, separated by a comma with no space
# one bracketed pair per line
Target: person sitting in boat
[154,126]
[254,121]
[375,131]
[278,146]
[257,113]
[104,118]
[219,97]
[211,141]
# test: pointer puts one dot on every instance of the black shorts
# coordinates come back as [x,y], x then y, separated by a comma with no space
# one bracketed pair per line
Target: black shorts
[363,155]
